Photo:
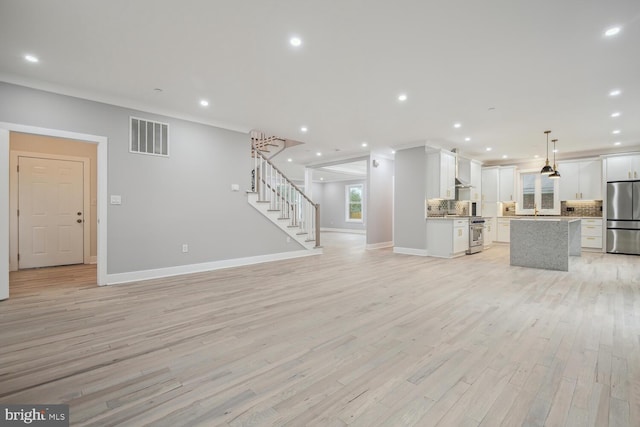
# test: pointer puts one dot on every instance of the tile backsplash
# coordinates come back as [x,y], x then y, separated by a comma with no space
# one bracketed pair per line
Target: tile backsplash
[509,209]
[439,207]
[577,208]
[582,208]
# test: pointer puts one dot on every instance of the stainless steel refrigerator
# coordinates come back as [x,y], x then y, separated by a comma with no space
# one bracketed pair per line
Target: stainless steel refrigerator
[623,217]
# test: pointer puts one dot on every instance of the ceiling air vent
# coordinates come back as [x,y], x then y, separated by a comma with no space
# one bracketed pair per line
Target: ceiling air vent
[148,137]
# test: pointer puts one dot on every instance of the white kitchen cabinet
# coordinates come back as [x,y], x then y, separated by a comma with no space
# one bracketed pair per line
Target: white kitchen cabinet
[447,237]
[476,181]
[623,168]
[489,231]
[470,171]
[591,233]
[460,236]
[441,175]
[503,232]
[581,180]
[507,184]
[490,188]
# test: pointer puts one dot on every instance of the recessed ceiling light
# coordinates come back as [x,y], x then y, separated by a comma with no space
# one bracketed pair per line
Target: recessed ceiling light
[555,150]
[303,129]
[402,97]
[364,144]
[615,92]
[615,132]
[204,103]
[616,114]
[393,151]
[31,58]
[289,160]
[504,156]
[295,41]
[321,179]
[157,90]
[318,154]
[467,139]
[536,157]
[457,125]
[612,31]
[617,143]
[488,148]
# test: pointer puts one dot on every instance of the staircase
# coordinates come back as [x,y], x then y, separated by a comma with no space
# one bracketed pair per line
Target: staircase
[277,197]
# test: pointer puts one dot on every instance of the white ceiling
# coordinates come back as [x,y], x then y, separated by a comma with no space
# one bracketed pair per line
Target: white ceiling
[540,65]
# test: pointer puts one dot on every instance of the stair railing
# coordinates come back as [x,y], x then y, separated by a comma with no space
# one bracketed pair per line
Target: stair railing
[285,197]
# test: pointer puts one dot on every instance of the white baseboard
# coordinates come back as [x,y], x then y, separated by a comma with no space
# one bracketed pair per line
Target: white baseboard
[93,260]
[380,245]
[344,230]
[410,251]
[135,276]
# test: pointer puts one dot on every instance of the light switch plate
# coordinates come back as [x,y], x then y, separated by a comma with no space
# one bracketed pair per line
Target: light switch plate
[116,200]
[235,187]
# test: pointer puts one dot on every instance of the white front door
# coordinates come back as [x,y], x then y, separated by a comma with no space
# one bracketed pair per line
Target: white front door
[50,206]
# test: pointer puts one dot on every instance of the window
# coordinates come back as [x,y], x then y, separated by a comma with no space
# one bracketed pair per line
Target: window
[354,202]
[539,192]
[148,137]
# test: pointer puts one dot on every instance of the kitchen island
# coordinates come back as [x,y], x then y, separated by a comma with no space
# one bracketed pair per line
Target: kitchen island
[545,242]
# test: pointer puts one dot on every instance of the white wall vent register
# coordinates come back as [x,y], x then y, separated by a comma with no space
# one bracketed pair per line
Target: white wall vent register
[148,137]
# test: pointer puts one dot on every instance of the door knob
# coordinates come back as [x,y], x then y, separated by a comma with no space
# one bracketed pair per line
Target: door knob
[79,213]
[78,221]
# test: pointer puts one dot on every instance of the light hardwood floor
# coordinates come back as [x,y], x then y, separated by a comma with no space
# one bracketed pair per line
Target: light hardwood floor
[352,337]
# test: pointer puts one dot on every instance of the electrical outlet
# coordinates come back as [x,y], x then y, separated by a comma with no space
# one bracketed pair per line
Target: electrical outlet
[185,248]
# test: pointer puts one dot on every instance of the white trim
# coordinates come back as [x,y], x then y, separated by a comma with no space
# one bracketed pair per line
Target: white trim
[380,245]
[343,230]
[93,260]
[21,80]
[13,201]
[135,276]
[4,214]
[347,201]
[101,198]
[410,251]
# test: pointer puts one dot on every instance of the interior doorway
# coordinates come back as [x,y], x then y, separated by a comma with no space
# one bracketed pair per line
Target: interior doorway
[52,201]
[8,219]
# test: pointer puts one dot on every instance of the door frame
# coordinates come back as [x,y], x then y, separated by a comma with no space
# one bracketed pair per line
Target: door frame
[13,202]
[102,142]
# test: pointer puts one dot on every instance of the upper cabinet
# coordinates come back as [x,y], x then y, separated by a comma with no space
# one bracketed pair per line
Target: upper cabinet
[441,175]
[490,176]
[507,184]
[470,171]
[623,168]
[581,180]
[476,181]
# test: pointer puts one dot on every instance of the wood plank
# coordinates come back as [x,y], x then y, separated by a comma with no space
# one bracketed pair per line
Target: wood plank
[352,337]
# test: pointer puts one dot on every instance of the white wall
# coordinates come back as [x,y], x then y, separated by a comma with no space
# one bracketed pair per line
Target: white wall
[166,202]
[333,209]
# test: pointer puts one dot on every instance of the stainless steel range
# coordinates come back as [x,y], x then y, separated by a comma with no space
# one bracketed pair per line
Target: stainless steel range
[476,235]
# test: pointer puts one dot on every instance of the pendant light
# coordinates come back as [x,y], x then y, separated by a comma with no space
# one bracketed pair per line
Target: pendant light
[555,174]
[547,169]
